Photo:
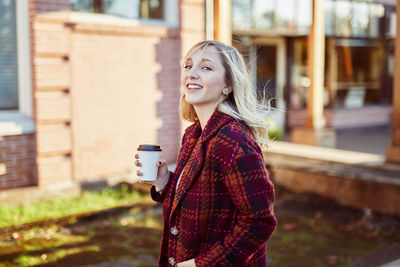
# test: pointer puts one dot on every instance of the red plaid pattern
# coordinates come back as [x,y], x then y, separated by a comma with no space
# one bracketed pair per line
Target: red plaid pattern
[222,213]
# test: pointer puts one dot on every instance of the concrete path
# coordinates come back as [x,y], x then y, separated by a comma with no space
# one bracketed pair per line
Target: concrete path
[385,257]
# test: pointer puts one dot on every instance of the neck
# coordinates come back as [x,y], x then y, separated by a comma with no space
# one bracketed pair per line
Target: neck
[204,114]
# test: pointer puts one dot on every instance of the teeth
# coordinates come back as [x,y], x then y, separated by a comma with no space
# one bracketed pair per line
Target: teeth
[193,86]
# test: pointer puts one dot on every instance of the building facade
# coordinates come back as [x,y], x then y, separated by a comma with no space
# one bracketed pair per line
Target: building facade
[359,57]
[82,83]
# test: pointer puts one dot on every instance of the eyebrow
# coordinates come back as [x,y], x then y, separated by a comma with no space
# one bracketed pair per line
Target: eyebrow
[203,60]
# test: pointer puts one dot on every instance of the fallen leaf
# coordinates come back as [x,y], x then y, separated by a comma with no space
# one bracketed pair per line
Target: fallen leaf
[290,226]
[347,228]
[332,259]
[315,229]
[80,230]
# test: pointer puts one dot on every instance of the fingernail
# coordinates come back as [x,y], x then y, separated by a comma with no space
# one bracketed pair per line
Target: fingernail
[159,162]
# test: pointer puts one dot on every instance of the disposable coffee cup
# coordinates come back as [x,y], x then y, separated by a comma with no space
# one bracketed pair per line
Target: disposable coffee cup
[148,157]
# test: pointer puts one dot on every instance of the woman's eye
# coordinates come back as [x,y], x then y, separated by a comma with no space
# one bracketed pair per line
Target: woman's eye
[187,67]
[206,68]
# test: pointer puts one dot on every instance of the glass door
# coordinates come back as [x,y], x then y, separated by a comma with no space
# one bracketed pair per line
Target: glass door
[269,73]
[266,71]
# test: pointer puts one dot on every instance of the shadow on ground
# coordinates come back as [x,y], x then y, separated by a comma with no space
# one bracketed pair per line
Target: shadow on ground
[134,235]
[312,231]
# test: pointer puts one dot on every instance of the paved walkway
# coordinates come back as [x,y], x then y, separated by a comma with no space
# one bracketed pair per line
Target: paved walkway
[364,140]
[369,140]
[385,257]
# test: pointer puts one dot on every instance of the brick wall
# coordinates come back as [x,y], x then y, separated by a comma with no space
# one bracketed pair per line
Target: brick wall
[99,90]
[122,96]
[192,32]
[43,6]
[18,152]
[51,91]
[17,161]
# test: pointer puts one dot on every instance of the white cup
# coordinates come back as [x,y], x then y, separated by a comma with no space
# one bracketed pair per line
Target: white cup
[148,157]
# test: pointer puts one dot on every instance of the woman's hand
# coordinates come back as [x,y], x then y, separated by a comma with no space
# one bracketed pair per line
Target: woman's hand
[162,173]
[189,263]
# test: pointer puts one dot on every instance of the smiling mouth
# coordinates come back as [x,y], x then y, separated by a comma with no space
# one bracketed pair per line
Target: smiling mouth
[193,86]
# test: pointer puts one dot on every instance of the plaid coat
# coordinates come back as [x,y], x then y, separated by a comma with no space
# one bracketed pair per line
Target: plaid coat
[222,212]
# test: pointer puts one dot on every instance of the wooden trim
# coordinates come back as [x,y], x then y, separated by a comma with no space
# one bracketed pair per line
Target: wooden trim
[316,61]
[223,21]
[216,19]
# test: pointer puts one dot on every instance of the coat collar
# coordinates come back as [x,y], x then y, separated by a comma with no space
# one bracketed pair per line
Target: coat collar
[214,123]
[193,152]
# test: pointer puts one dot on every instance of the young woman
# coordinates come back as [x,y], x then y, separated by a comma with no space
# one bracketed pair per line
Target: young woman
[218,203]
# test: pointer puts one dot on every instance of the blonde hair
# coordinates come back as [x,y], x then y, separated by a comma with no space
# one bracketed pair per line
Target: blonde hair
[243,103]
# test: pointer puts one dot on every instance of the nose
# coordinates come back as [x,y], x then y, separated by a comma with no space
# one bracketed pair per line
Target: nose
[193,73]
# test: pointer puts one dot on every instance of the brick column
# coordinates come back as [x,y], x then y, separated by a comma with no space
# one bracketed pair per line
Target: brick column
[393,151]
[192,26]
[314,131]
[52,98]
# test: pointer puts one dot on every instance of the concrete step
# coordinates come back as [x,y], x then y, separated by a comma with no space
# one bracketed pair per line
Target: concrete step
[325,154]
[355,179]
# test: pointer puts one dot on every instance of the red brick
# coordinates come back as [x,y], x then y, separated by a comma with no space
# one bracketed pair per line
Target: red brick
[124,86]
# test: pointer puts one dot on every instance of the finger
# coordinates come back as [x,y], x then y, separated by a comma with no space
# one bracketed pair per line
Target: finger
[136,156]
[139,173]
[137,163]
[161,163]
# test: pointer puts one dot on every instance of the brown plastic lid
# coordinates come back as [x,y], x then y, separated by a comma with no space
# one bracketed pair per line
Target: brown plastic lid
[149,148]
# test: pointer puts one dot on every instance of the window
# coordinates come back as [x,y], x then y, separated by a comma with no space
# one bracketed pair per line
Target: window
[359,68]
[303,16]
[360,19]
[8,56]
[285,15]
[343,14]
[241,14]
[130,9]
[264,14]
[353,18]
[329,18]
[15,69]
[291,17]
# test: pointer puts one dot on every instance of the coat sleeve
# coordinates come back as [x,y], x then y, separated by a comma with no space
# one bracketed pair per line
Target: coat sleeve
[252,194]
[159,196]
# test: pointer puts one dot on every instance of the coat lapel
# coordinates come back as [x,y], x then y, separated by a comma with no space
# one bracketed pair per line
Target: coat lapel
[193,161]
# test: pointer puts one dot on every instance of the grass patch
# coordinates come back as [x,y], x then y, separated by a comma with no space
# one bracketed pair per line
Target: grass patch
[88,201]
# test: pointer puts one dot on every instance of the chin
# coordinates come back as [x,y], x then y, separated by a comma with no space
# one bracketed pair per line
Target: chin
[192,100]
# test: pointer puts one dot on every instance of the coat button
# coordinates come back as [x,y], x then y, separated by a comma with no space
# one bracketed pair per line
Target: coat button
[172,261]
[174,230]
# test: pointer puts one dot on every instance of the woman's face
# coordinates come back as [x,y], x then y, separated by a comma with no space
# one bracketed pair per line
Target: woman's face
[203,78]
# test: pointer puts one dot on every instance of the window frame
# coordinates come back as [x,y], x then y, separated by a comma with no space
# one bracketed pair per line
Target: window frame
[170,20]
[19,121]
